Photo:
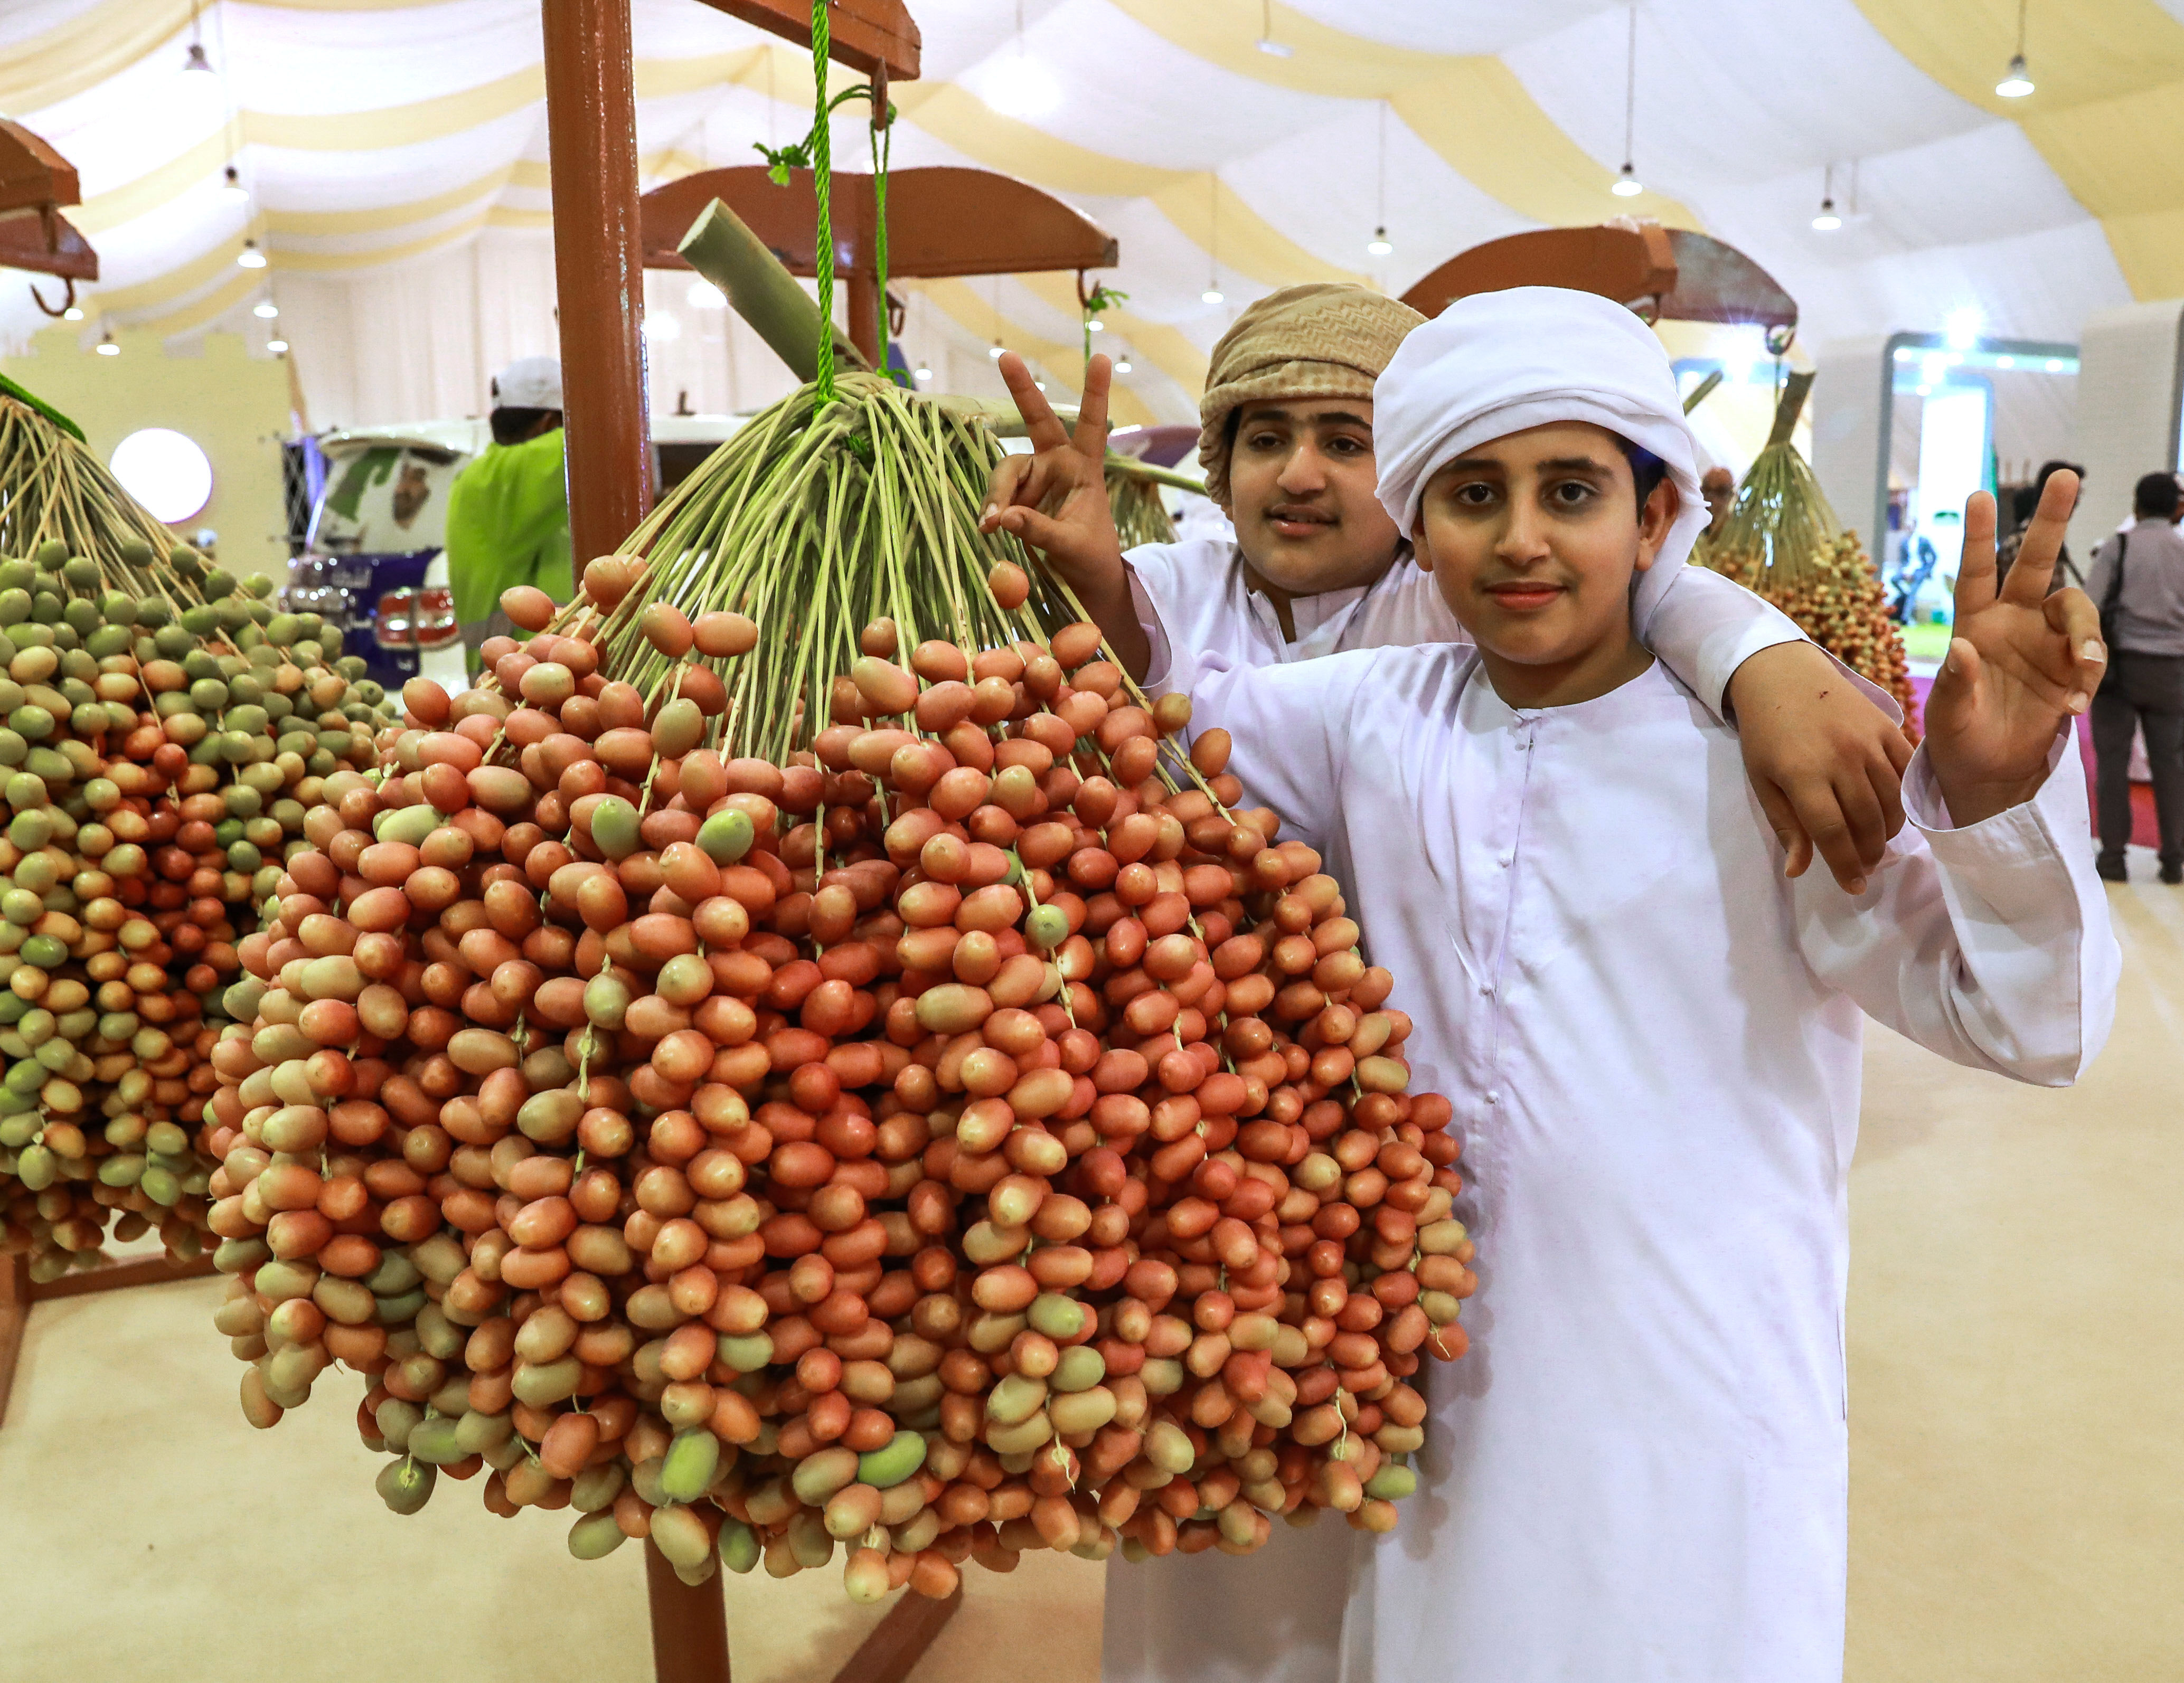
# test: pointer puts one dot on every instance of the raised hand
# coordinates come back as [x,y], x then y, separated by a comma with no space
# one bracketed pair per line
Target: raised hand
[1056,498]
[2020,663]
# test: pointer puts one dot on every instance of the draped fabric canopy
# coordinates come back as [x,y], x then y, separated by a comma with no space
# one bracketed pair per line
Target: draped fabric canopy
[392,153]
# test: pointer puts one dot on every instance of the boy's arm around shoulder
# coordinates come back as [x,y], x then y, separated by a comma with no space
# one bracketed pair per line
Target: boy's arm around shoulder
[1988,943]
[1821,745]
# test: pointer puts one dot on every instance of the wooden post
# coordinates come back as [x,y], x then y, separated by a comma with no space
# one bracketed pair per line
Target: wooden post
[591,137]
[690,1623]
[19,1291]
[14,1318]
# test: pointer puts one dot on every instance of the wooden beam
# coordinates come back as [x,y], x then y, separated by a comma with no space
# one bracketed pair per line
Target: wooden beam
[943,220]
[19,1291]
[690,1623]
[865,34]
[591,138]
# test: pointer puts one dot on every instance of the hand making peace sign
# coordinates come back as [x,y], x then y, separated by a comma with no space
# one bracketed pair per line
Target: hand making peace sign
[1056,500]
[2020,663]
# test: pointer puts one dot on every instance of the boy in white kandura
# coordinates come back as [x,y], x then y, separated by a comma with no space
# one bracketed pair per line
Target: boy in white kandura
[1639,1474]
[1317,567]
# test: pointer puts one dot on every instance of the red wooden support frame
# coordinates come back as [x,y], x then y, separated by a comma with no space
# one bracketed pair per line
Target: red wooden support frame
[19,1293]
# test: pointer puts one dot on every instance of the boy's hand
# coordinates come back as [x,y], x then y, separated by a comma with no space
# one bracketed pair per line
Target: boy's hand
[1056,498]
[1825,763]
[2021,662]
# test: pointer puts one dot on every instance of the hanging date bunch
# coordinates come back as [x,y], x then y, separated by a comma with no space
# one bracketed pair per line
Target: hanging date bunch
[1782,541]
[963,1135]
[161,752]
[802,1063]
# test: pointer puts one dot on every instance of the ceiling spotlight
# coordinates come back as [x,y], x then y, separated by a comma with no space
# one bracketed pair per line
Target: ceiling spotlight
[1096,325]
[2018,82]
[197,60]
[266,309]
[1040,384]
[1627,184]
[1211,295]
[278,347]
[1122,366]
[1827,221]
[232,187]
[922,373]
[250,257]
[704,295]
[1378,245]
[107,348]
[73,313]
[994,350]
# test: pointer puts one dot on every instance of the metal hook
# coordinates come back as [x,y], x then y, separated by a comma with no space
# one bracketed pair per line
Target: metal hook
[68,299]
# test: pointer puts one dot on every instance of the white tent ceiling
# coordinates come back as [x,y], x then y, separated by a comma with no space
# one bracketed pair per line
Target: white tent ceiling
[393,154]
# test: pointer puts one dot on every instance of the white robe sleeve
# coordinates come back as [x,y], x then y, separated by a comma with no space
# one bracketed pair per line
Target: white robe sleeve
[1704,627]
[1990,945]
[1285,723]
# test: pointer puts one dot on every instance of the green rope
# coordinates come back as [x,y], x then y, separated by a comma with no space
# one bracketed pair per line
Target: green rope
[882,149]
[823,179]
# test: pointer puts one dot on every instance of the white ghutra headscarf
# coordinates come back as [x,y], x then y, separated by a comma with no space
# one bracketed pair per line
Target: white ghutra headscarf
[1498,362]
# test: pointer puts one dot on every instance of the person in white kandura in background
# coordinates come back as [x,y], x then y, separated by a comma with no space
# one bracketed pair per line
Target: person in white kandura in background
[1639,1475]
[1317,566]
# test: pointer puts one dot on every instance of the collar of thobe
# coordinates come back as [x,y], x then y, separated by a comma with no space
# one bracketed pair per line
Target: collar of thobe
[1498,362]
[1489,712]
[1308,613]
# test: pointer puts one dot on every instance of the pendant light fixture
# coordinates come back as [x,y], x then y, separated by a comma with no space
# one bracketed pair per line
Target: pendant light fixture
[2017,81]
[1826,222]
[1213,294]
[1378,245]
[231,188]
[1627,184]
[106,347]
[994,349]
[1024,90]
[250,257]
[1266,42]
[196,59]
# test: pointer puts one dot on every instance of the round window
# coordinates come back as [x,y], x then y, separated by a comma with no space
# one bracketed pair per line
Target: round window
[166,471]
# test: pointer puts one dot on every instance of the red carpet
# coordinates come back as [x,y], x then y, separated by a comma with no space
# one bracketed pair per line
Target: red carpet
[2144,828]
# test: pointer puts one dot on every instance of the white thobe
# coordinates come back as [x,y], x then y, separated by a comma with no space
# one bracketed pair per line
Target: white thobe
[1639,1474]
[1195,600]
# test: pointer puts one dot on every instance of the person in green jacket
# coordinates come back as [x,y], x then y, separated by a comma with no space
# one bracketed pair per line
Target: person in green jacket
[507,511]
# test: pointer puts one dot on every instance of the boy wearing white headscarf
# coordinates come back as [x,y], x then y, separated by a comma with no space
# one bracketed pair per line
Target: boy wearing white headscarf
[1653,1038]
[1317,567]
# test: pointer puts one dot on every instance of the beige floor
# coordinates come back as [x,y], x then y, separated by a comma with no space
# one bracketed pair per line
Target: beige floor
[2017,1354]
